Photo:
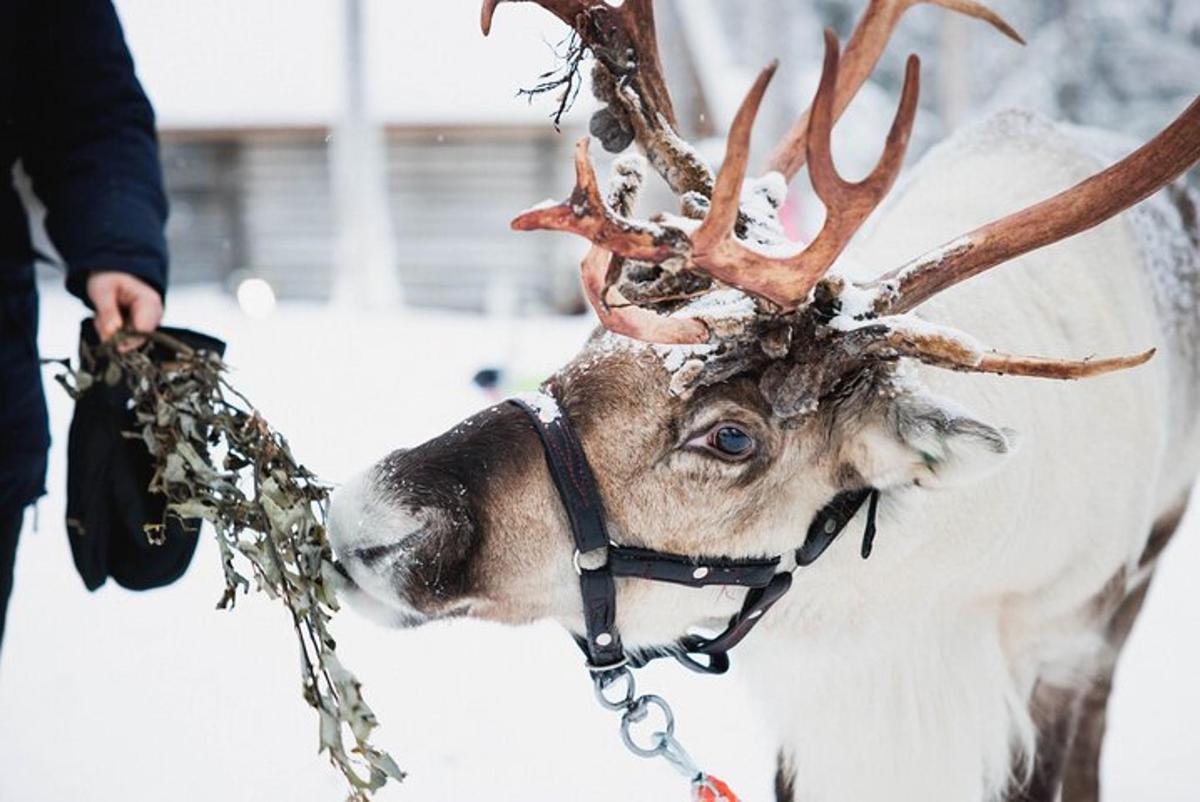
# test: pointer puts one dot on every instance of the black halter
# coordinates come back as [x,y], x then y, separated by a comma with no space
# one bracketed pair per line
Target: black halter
[598,559]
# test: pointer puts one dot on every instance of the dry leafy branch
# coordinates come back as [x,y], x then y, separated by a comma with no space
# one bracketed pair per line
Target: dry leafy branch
[217,459]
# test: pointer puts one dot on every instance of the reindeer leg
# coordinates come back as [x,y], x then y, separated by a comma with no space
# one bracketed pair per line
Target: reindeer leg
[785,780]
[1081,779]
[1056,713]
[1071,722]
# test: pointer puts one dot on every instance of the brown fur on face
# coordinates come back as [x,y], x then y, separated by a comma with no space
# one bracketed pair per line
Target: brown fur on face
[672,498]
[509,558]
[495,542]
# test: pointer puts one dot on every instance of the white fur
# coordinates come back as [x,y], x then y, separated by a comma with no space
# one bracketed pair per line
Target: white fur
[360,517]
[908,676]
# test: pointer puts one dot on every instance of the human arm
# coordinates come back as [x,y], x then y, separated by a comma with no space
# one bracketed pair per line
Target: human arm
[90,148]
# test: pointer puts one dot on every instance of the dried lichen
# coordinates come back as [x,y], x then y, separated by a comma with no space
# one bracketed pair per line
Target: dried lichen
[218,459]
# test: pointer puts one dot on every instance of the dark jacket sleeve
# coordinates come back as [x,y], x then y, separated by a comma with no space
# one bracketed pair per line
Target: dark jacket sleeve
[91,147]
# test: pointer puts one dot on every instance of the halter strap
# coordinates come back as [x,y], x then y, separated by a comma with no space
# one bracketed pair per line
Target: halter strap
[598,560]
[585,511]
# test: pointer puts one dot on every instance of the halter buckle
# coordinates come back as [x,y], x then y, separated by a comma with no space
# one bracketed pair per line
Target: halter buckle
[578,555]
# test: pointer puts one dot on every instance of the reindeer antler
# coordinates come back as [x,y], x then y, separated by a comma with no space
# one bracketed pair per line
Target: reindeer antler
[718,249]
[786,281]
[1085,205]
[713,249]
[629,78]
[623,38]
[614,312]
[946,348]
[866,45]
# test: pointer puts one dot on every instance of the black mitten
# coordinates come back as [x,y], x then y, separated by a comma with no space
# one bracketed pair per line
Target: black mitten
[108,475]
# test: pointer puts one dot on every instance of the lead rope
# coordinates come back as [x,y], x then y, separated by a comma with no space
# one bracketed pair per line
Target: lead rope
[636,709]
[601,643]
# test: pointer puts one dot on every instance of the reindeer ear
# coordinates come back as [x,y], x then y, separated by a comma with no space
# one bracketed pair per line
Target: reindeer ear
[930,442]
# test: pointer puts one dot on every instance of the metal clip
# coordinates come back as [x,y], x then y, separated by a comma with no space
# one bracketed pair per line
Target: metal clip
[637,709]
[602,682]
[637,712]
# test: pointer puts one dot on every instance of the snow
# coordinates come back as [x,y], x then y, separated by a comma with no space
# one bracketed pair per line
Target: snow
[857,302]
[141,697]
[675,357]
[760,201]
[543,404]
[931,259]
[625,181]
[771,187]
[722,304]
[685,224]
[541,206]
[912,326]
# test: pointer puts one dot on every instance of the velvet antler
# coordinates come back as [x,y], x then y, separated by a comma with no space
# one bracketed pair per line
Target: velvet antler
[716,247]
[713,249]
[866,45]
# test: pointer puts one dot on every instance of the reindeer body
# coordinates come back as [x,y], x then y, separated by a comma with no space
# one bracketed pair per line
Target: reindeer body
[747,386]
[977,643]
[982,617]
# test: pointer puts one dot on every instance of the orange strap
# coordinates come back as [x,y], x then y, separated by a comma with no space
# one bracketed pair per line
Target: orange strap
[709,789]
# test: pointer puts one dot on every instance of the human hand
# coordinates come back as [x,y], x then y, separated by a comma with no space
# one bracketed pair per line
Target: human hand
[120,300]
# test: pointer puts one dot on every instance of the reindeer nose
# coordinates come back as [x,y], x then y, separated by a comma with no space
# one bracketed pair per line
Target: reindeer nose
[379,538]
[348,510]
[409,530]
[369,518]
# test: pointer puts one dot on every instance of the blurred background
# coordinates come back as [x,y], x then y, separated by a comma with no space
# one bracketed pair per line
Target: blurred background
[341,176]
[376,147]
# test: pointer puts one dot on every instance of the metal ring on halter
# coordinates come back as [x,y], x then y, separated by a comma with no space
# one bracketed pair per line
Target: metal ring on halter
[599,671]
[600,684]
[638,712]
[578,556]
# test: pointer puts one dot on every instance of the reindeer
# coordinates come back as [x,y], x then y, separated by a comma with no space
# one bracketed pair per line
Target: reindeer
[739,385]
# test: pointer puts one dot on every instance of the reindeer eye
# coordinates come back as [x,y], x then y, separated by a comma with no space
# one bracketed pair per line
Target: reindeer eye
[730,442]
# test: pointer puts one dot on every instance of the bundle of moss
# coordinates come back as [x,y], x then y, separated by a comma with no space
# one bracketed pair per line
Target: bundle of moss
[217,459]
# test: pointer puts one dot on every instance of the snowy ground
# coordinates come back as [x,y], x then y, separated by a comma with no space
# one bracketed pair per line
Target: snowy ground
[120,696]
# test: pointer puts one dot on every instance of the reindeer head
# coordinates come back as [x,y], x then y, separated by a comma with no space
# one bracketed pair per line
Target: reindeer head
[737,384]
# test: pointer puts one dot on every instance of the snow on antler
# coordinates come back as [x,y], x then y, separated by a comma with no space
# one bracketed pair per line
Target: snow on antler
[790,282]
